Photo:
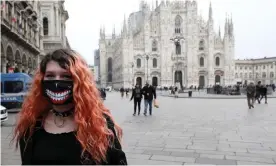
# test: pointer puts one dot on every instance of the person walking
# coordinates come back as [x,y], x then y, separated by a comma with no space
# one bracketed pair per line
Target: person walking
[137,96]
[251,92]
[258,92]
[263,93]
[122,92]
[149,93]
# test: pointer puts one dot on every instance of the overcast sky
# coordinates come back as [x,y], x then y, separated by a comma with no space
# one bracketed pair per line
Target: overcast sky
[254,23]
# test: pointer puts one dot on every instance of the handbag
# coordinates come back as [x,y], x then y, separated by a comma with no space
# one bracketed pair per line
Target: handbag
[155,103]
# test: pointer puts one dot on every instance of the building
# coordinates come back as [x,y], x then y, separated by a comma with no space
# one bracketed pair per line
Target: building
[97,66]
[21,36]
[29,29]
[166,45]
[254,70]
[54,16]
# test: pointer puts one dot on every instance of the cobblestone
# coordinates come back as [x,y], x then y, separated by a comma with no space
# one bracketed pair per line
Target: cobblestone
[184,131]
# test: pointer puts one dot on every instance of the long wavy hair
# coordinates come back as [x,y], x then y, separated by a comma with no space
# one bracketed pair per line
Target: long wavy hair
[92,131]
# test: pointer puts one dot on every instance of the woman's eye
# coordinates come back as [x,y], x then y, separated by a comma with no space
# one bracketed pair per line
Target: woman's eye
[49,75]
[67,76]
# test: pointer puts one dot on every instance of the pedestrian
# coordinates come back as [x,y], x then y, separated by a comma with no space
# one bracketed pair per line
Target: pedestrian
[263,93]
[137,96]
[149,93]
[63,120]
[251,92]
[258,92]
[122,92]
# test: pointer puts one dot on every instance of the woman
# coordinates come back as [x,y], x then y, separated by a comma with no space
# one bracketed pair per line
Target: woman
[63,120]
[137,95]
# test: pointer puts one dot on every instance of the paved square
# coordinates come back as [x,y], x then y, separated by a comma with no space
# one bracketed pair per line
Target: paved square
[188,131]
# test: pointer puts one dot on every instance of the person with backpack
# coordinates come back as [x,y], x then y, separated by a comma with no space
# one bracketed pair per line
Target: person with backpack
[137,95]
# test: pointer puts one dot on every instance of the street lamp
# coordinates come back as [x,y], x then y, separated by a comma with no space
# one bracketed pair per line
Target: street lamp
[147,58]
[132,66]
[177,41]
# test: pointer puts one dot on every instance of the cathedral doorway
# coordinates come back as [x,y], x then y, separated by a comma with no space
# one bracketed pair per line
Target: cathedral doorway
[139,81]
[154,81]
[217,79]
[178,77]
[201,81]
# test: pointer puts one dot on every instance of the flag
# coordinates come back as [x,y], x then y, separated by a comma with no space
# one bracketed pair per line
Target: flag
[13,19]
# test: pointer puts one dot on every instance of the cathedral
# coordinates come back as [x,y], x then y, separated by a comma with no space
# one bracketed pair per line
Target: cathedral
[169,45]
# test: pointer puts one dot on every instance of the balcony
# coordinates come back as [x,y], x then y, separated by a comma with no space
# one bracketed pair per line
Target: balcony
[180,57]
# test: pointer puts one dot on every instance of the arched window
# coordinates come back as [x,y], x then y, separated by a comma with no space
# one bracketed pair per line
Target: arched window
[201,45]
[138,63]
[154,62]
[178,49]
[178,22]
[271,75]
[245,75]
[154,45]
[45,26]
[236,75]
[240,75]
[217,61]
[264,75]
[250,75]
[201,62]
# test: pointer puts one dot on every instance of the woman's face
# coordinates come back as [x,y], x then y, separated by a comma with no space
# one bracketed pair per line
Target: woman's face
[55,72]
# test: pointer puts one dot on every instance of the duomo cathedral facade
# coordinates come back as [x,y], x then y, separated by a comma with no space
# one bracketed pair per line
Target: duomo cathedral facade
[166,45]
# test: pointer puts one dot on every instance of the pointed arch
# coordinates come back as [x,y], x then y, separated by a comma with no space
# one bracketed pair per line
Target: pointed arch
[177,23]
[154,62]
[45,26]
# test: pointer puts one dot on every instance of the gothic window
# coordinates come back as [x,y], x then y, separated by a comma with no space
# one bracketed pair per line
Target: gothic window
[201,62]
[250,75]
[264,75]
[178,49]
[245,75]
[256,67]
[154,62]
[240,75]
[217,61]
[236,75]
[271,66]
[45,26]
[241,68]
[178,22]
[201,45]
[245,67]
[154,45]
[271,75]
[109,69]
[264,67]
[138,63]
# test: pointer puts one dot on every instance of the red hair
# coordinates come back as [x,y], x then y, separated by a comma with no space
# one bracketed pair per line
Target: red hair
[92,131]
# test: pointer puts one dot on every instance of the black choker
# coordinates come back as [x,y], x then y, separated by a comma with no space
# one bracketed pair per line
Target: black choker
[63,114]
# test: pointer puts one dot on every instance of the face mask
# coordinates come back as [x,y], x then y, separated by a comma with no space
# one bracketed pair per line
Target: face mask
[58,92]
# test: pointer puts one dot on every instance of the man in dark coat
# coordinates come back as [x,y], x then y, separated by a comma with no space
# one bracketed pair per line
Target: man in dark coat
[258,92]
[149,93]
[251,92]
[137,95]
[263,93]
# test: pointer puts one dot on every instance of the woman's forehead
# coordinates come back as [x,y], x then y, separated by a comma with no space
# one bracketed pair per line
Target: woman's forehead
[53,66]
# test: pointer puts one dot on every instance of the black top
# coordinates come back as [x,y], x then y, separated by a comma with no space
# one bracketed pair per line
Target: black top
[64,149]
[136,93]
[149,92]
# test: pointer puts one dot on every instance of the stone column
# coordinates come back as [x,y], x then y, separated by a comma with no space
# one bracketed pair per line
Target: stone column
[4,68]
[56,20]
[19,66]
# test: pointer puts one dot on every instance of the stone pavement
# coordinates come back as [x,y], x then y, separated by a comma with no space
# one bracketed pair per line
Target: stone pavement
[204,95]
[184,131]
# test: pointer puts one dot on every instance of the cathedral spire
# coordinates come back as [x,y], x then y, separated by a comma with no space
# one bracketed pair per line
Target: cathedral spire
[226,26]
[210,12]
